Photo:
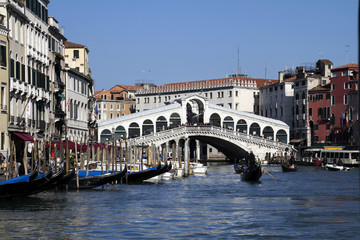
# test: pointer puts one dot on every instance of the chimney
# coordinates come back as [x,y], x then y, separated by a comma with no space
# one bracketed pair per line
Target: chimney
[63,30]
[281,76]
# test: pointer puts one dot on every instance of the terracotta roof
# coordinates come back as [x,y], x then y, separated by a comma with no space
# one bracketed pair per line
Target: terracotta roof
[321,88]
[350,65]
[102,92]
[73,45]
[259,82]
[290,79]
[326,61]
[125,87]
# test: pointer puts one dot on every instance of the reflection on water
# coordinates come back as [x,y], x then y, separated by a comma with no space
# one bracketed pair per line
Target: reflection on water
[311,203]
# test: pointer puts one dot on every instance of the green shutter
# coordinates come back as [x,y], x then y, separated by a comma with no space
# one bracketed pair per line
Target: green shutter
[23,72]
[17,70]
[12,68]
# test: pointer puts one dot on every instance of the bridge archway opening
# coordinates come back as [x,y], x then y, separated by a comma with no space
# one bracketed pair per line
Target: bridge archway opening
[281,136]
[254,129]
[195,111]
[134,130]
[120,132]
[105,136]
[228,123]
[161,123]
[147,127]
[215,120]
[175,120]
[268,133]
[241,126]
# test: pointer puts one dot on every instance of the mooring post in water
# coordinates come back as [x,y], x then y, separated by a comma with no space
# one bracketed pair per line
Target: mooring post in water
[186,157]
[77,167]
[25,159]
[67,154]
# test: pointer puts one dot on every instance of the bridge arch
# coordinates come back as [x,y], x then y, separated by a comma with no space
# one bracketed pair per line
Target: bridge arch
[147,127]
[134,130]
[120,132]
[175,120]
[228,123]
[254,129]
[281,136]
[215,120]
[241,126]
[268,133]
[161,123]
[105,135]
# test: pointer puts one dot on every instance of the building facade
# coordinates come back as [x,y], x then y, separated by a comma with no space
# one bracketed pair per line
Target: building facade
[4,84]
[237,93]
[79,95]
[276,100]
[344,82]
[116,102]
[319,114]
[307,78]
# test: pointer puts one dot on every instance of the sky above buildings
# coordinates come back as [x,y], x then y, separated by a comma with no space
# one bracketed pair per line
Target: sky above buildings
[170,41]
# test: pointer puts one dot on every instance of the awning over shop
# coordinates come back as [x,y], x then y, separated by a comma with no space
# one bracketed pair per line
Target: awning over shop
[24,136]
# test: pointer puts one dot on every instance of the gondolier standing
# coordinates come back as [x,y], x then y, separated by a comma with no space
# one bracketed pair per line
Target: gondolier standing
[250,160]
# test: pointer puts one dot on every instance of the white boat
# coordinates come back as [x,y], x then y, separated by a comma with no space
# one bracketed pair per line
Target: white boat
[198,168]
[169,175]
[334,167]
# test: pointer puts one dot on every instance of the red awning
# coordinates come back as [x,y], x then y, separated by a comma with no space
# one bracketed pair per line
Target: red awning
[24,136]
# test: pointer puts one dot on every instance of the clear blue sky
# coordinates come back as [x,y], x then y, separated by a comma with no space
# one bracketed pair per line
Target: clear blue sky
[169,41]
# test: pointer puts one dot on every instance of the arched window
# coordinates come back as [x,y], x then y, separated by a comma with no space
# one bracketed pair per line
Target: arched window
[228,123]
[268,133]
[134,130]
[215,119]
[254,129]
[161,123]
[241,126]
[175,120]
[105,136]
[148,127]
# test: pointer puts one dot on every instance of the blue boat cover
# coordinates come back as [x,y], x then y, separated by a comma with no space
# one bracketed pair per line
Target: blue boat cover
[23,178]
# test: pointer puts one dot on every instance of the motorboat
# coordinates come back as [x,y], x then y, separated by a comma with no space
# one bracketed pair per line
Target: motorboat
[198,168]
[334,167]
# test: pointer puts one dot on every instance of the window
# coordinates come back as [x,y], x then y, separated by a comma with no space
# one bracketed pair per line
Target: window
[2,54]
[236,93]
[76,54]
[333,87]
[210,95]
[345,99]
[332,100]
[118,107]
[230,93]
[310,111]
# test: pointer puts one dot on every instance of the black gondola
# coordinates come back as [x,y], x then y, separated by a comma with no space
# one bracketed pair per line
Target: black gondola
[35,186]
[96,180]
[139,176]
[18,186]
[251,174]
[54,180]
[287,168]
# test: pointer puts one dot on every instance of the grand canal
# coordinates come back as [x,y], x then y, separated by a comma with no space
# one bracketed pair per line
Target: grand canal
[309,204]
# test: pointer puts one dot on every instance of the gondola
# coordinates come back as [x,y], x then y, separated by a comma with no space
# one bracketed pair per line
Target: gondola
[238,168]
[140,176]
[17,186]
[287,168]
[251,174]
[35,186]
[95,180]
[54,180]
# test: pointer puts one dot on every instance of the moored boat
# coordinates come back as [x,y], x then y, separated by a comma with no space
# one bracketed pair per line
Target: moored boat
[334,167]
[95,179]
[140,176]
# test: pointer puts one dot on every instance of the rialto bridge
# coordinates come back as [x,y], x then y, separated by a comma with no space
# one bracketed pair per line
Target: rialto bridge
[191,123]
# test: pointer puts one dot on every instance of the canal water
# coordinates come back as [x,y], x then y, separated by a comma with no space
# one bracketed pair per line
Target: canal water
[309,204]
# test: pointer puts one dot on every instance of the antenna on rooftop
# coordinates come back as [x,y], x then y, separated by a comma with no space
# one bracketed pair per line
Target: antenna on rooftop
[238,70]
[321,54]
[347,52]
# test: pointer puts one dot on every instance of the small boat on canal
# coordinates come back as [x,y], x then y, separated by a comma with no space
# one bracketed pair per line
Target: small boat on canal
[334,167]
[94,179]
[140,176]
[18,186]
[289,168]
[251,174]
